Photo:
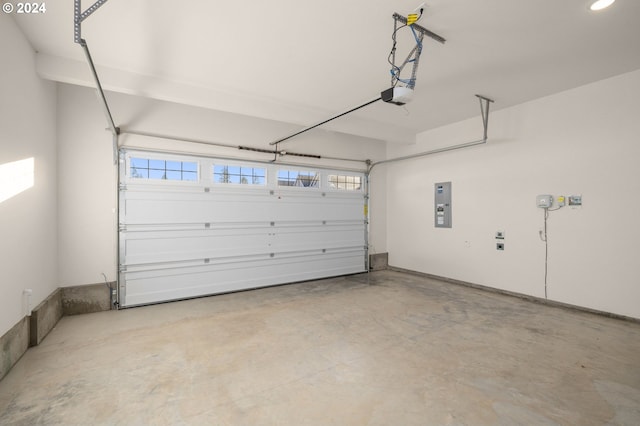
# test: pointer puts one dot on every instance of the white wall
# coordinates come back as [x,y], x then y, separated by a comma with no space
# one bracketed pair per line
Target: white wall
[87,191]
[28,219]
[378,211]
[583,141]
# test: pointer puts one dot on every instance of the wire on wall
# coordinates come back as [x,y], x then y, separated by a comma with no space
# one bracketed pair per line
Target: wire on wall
[544,236]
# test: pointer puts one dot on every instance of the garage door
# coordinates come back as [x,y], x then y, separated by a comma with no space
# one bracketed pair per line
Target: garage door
[193,226]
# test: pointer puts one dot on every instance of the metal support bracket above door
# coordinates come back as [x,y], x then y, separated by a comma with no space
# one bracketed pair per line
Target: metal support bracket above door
[484,111]
[80,16]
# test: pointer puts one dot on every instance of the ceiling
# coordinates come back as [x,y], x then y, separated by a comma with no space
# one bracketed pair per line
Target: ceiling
[301,62]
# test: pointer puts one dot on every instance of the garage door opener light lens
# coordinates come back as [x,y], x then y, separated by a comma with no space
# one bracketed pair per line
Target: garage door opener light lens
[601,4]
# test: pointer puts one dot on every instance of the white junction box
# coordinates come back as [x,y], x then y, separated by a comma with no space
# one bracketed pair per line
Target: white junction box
[544,201]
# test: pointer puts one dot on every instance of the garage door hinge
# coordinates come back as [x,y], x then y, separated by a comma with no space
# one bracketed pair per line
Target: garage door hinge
[122,227]
[122,268]
[123,187]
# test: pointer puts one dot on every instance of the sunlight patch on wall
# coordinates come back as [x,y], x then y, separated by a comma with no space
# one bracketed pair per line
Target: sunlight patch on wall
[16,177]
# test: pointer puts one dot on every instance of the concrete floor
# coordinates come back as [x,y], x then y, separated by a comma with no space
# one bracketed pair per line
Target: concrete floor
[385,349]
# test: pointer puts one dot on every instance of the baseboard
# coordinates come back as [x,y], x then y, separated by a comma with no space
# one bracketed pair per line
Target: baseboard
[86,299]
[14,344]
[518,295]
[378,261]
[44,317]
[31,330]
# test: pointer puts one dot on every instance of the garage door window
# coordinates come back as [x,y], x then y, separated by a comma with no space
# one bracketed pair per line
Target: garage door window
[303,179]
[345,182]
[239,174]
[146,168]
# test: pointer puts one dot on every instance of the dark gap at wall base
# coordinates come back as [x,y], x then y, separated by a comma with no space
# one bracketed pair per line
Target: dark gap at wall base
[31,330]
[522,296]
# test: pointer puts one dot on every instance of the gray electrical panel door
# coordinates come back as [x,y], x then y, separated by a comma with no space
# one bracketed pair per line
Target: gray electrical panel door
[442,205]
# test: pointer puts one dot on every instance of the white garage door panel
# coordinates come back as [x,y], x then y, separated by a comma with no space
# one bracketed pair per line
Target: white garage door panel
[205,208]
[181,239]
[167,246]
[235,274]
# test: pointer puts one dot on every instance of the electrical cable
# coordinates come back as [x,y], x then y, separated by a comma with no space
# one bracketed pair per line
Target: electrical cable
[546,247]
[546,252]
[396,70]
[418,41]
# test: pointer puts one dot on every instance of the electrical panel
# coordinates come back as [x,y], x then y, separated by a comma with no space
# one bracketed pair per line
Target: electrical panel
[443,205]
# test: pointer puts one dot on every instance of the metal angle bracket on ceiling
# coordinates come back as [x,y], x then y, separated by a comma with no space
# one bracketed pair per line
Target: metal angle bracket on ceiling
[420,29]
[80,16]
[413,57]
[484,111]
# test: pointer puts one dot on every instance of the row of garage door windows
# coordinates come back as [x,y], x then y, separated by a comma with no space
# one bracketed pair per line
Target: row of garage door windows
[146,168]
